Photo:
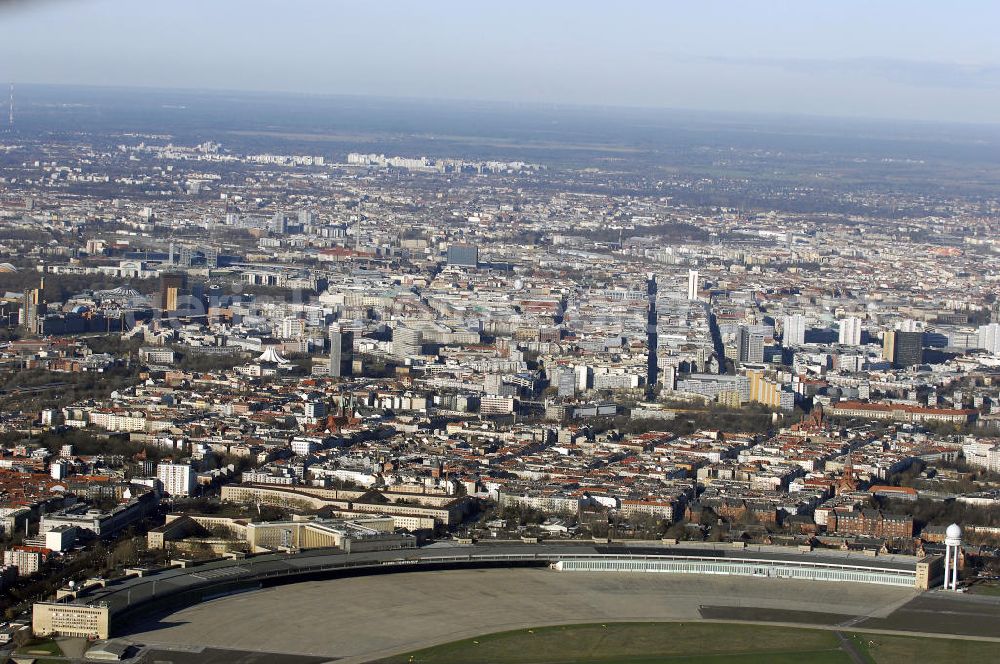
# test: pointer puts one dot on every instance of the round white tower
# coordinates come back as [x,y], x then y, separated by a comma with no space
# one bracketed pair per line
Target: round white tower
[952,550]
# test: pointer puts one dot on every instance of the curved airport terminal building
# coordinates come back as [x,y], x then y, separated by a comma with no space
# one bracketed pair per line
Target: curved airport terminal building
[102,608]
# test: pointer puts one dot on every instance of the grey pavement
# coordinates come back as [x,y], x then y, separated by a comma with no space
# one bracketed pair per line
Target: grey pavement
[365,618]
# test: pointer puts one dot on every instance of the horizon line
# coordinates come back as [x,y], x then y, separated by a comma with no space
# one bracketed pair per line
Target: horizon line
[553,105]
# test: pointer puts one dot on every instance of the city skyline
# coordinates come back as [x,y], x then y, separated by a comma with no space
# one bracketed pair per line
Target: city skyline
[462,292]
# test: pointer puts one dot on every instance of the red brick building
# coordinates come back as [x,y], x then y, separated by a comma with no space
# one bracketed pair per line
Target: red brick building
[869,523]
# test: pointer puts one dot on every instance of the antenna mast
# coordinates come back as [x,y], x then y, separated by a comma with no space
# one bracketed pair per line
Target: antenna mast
[10,114]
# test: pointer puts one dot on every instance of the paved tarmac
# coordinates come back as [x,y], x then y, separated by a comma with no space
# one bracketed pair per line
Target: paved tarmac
[365,618]
[942,611]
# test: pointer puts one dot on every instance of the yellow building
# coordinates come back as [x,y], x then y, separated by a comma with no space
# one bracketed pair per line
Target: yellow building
[60,619]
[766,391]
[729,398]
[889,346]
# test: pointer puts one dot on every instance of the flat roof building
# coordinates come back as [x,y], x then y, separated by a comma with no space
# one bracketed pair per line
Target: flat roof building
[63,619]
[463,255]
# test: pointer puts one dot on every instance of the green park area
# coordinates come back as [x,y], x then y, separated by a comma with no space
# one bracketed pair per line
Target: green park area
[883,649]
[705,643]
[41,651]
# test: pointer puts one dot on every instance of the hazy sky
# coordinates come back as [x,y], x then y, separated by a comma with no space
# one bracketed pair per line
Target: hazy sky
[918,59]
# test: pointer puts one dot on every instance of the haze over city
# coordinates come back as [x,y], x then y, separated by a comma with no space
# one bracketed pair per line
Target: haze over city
[892,59]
